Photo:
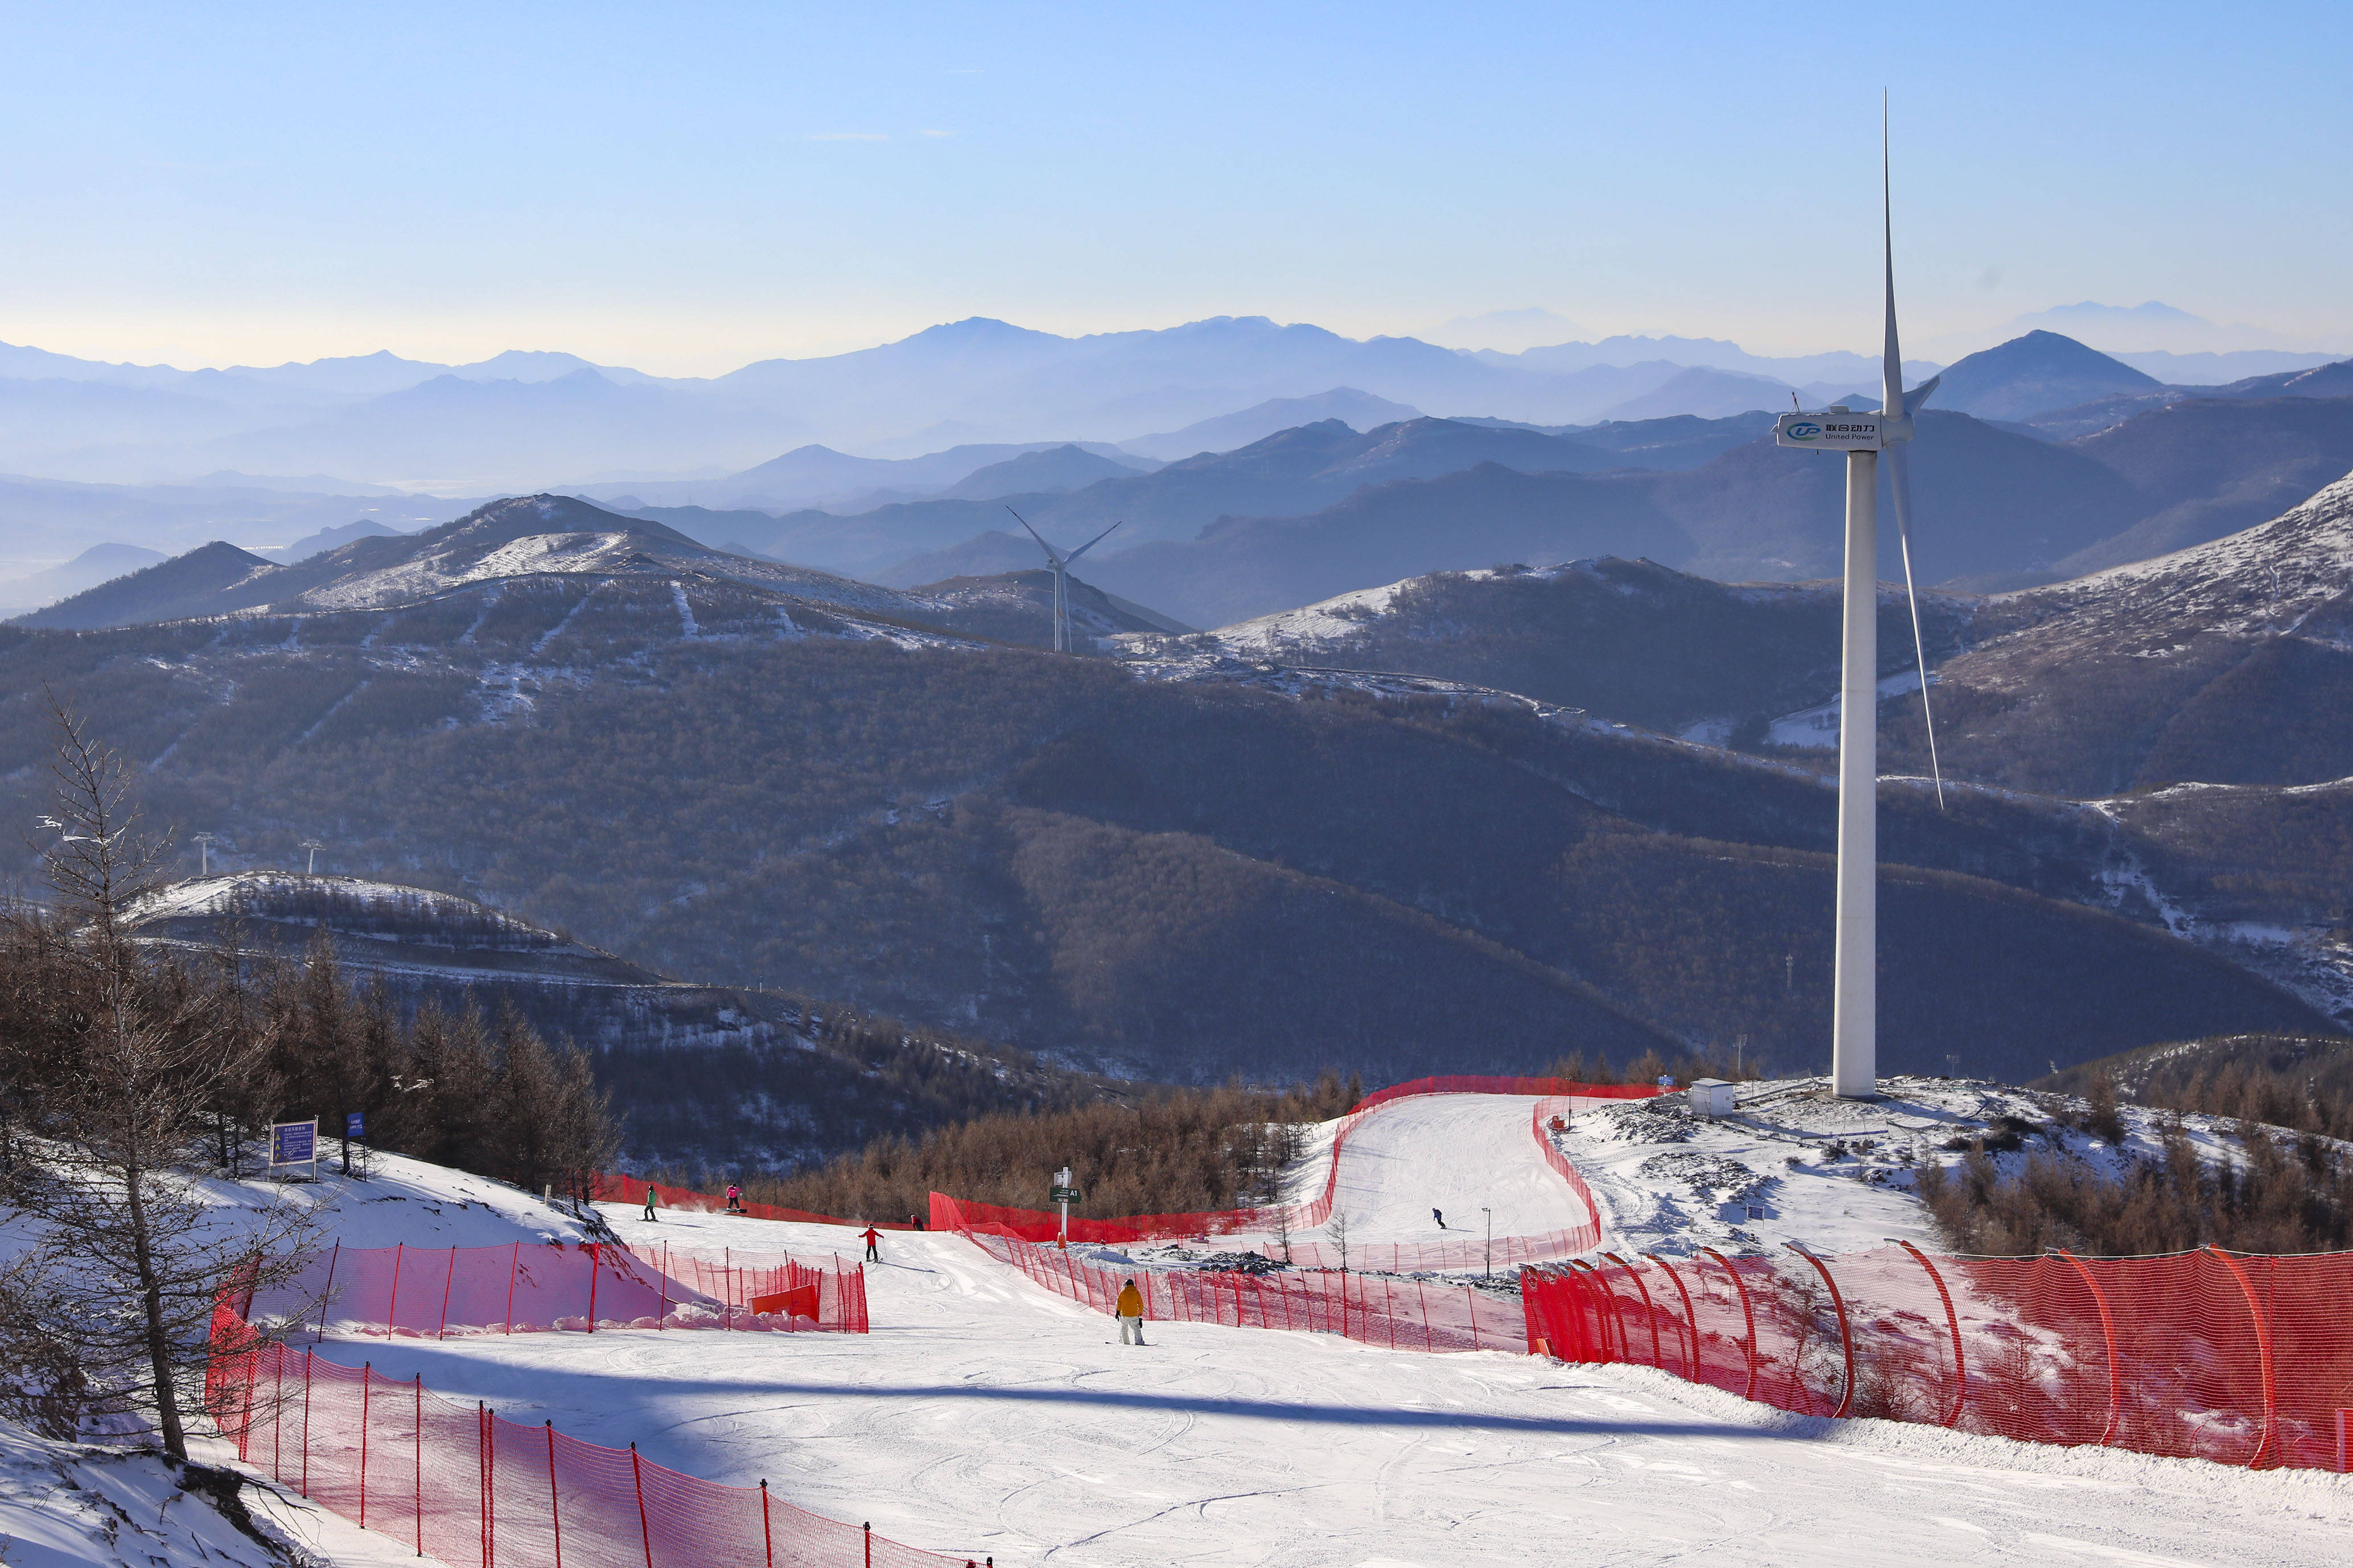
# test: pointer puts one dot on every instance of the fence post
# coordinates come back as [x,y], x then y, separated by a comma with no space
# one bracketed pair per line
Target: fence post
[491,1484]
[1624,1351]
[277,1412]
[305,1487]
[392,1296]
[1657,1358]
[767,1538]
[594,1257]
[418,1425]
[514,1265]
[1389,1309]
[645,1530]
[1953,1323]
[368,1382]
[2108,1337]
[1421,1292]
[1689,1315]
[1846,1335]
[554,1515]
[482,1476]
[1748,1319]
[2263,1348]
[1471,1296]
[662,1320]
[869,1528]
[328,1294]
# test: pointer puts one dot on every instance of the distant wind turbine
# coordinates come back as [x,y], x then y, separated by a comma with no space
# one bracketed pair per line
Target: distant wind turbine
[314,846]
[1854,1041]
[1061,563]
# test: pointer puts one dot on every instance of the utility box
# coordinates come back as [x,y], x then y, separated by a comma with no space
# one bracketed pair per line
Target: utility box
[1710,1097]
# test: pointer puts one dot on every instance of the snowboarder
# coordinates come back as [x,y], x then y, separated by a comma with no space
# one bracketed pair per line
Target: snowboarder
[1439,1217]
[734,1198]
[873,1240]
[1130,1311]
[649,1200]
[914,1222]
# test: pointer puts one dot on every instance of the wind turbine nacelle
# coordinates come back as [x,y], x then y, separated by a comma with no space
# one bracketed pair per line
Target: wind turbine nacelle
[1837,430]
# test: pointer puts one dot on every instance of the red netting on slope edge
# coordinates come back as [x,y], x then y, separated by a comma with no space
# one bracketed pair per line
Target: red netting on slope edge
[434,1293]
[1402,1314]
[466,1484]
[608,1187]
[2244,1359]
[1037,1225]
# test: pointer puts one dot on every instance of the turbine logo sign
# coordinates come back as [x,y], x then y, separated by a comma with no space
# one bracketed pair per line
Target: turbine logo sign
[1837,430]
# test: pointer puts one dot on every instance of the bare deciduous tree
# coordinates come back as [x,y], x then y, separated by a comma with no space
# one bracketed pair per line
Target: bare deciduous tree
[133,1252]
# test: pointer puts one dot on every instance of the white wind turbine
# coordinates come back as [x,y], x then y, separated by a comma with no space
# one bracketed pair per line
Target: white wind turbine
[1854,1040]
[1061,563]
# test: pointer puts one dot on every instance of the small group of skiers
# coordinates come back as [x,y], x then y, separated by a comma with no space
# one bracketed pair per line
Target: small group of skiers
[734,1200]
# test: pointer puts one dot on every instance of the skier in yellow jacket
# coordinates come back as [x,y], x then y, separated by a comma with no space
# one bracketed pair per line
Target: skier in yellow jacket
[1130,1311]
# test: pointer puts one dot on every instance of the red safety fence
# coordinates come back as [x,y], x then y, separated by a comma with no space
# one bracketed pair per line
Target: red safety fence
[1402,1314]
[418,1292]
[607,1187]
[466,1484]
[1037,1225]
[2241,1359]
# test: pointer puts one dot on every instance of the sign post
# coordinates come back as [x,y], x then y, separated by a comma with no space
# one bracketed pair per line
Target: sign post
[354,1126]
[295,1144]
[1065,1194]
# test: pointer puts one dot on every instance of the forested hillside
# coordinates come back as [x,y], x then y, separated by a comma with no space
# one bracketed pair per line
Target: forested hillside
[708,1076]
[1182,879]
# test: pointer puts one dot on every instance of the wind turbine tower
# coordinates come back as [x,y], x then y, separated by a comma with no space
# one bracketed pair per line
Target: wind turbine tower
[205,842]
[1854,1040]
[314,846]
[1061,564]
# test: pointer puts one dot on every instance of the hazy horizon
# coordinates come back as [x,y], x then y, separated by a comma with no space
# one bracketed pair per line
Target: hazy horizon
[687,195]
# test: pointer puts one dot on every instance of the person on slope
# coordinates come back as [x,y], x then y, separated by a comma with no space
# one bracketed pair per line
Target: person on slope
[649,1200]
[734,1198]
[1129,1308]
[1439,1217]
[873,1240]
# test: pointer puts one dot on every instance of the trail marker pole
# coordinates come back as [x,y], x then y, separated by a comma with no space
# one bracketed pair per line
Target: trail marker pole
[1062,1193]
[1490,1241]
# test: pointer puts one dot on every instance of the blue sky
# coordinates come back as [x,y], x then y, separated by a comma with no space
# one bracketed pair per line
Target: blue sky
[688,187]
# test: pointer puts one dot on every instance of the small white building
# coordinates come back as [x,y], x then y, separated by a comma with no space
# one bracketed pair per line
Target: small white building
[1710,1097]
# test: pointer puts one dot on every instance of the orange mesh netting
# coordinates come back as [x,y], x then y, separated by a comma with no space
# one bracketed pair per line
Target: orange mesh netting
[439,1291]
[2241,1359]
[467,1486]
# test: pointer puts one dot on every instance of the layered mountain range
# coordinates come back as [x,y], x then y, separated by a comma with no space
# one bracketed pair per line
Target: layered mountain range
[1240,853]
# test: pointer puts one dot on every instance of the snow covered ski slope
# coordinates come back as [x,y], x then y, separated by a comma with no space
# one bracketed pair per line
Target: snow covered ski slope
[985,1416]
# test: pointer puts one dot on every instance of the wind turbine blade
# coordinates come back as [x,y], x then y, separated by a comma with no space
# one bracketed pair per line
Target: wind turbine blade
[1891,368]
[1052,557]
[1899,459]
[1090,544]
[1919,394]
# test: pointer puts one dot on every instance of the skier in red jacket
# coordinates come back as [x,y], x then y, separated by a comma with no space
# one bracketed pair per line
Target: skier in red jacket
[873,1245]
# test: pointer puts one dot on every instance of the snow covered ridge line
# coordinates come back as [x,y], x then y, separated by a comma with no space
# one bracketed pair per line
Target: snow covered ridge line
[421,1292]
[2236,1358]
[467,1486]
